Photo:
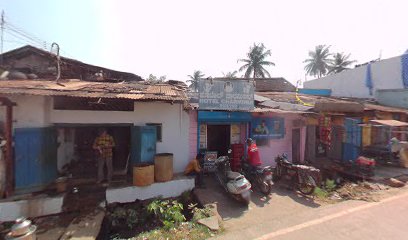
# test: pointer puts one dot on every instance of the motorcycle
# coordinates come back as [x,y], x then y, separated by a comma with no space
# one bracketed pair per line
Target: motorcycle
[261,177]
[305,178]
[233,182]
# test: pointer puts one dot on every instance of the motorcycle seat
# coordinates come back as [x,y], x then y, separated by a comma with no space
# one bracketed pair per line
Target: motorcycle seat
[233,175]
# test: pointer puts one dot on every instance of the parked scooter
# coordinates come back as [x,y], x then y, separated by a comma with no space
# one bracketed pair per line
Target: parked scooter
[233,182]
[261,177]
[305,178]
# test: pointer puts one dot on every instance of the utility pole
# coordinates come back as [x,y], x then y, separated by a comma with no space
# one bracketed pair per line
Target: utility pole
[2,34]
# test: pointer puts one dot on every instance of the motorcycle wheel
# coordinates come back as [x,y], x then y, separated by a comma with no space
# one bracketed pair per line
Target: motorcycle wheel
[246,200]
[308,186]
[265,188]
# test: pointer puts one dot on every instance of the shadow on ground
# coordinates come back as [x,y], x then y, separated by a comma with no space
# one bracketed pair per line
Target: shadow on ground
[229,208]
[282,189]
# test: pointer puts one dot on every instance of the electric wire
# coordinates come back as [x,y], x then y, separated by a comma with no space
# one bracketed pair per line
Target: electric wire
[22,33]
[26,41]
[29,38]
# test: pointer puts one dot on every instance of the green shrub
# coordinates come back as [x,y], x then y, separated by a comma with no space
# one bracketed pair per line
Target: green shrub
[169,213]
[130,217]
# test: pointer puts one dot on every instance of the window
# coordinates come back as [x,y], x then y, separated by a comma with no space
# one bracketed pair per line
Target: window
[158,130]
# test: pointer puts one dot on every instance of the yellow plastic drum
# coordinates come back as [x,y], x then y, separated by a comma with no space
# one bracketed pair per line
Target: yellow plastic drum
[163,167]
[143,175]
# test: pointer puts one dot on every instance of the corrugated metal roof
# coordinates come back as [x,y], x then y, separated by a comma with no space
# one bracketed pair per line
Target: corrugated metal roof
[77,88]
[285,106]
[384,108]
[391,123]
[273,110]
[260,98]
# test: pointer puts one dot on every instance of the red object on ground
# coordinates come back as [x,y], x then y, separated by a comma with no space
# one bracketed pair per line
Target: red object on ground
[365,161]
[253,155]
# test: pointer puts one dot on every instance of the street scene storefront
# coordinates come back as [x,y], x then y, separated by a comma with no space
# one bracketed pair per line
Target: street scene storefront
[222,126]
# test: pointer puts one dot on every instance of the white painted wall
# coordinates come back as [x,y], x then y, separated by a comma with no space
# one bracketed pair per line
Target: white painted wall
[66,148]
[168,189]
[385,74]
[40,206]
[31,111]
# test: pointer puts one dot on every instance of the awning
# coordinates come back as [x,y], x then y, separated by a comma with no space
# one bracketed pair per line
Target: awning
[390,123]
[224,117]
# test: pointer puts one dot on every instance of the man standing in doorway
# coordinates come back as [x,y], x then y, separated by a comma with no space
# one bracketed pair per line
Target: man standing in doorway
[103,146]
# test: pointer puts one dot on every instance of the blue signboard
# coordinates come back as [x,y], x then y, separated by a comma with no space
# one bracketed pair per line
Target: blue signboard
[221,94]
[268,128]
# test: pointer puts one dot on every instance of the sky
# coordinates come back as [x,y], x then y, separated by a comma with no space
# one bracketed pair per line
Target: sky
[174,38]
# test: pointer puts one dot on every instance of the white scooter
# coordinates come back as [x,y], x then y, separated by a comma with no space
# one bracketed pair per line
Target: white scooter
[233,182]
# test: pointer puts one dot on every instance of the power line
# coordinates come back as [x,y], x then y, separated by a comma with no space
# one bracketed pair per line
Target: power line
[31,39]
[26,41]
[17,28]
[23,33]
[15,33]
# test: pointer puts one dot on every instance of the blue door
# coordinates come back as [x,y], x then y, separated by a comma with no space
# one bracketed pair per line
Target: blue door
[351,147]
[35,158]
[143,148]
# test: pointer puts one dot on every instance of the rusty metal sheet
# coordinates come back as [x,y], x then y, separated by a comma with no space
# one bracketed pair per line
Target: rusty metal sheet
[390,123]
[76,88]
[384,108]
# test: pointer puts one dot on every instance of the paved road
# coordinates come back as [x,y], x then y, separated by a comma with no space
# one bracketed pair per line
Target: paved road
[387,219]
[285,215]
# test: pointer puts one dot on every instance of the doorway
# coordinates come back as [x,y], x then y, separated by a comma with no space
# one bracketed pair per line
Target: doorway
[296,145]
[218,138]
[77,156]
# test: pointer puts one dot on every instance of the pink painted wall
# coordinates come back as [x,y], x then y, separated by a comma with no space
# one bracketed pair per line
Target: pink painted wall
[193,134]
[283,145]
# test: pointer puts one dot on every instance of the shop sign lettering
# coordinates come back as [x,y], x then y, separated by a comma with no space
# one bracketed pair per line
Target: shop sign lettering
[226,95]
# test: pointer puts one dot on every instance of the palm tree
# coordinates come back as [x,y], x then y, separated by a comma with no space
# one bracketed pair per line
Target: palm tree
[230,74]
[340,62]
[318,63]
[195,78]
[254,64]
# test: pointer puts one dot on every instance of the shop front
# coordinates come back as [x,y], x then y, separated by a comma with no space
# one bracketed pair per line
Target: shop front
[217,131]
[276,133]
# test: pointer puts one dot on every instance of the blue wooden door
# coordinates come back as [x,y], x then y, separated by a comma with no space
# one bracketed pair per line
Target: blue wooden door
[143,148]
[35,158]
[352,144]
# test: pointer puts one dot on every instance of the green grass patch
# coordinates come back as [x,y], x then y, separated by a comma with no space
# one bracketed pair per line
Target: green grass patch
[320,193]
